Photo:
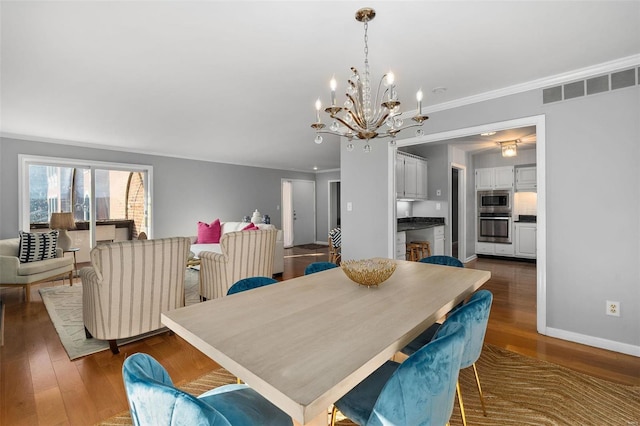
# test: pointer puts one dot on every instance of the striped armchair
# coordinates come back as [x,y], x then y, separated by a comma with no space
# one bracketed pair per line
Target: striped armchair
[244,254]
[129,284]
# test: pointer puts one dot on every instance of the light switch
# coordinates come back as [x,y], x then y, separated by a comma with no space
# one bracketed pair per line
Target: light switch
[349,206]
[438,206]
[438,192]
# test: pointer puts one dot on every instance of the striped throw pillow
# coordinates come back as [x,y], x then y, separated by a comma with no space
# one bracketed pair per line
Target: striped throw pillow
[37,246]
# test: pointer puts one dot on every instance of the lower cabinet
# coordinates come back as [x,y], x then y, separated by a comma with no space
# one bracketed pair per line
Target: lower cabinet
[524,243]
[525,238]
[495,249]
[401,245]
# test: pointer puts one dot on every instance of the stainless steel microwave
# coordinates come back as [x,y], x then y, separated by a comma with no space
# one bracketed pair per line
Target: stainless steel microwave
[495,202]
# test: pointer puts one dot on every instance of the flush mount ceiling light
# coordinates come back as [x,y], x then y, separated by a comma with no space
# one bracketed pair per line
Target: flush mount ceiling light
[487,134]
[361,116]
[509,149]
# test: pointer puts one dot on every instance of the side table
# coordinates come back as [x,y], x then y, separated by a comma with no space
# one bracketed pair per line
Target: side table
[73,250]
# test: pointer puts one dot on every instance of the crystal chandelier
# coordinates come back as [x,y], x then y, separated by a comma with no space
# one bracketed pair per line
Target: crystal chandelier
[361,116]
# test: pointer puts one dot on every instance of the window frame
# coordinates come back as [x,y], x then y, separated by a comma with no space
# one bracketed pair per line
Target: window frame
[24,161]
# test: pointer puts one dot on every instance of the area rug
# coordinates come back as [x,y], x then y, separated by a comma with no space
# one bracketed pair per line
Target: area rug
[518,390]
[64,305]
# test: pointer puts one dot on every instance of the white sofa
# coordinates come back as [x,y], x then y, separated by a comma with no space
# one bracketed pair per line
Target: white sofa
[278,260]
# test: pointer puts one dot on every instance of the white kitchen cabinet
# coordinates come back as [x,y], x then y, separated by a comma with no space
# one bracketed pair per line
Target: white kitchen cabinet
[401,245]
[399,175]
[421,179]
[485,248]
[437,248]
[494,178]
[526,180]
[525,240]
[495,249]
[411,176]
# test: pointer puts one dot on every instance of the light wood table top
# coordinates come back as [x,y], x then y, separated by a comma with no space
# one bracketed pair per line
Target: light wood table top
[305,342]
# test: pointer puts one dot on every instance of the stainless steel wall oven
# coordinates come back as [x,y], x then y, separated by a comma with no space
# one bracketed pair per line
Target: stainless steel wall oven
[495,223]
[495,228]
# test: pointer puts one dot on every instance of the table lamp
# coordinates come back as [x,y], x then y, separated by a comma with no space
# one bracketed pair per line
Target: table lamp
[62,222]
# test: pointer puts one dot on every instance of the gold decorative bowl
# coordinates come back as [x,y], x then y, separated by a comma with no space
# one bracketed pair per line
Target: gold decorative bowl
[369,271]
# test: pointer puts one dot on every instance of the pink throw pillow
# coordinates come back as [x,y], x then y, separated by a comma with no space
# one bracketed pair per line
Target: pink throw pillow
[250,227]
[209,234]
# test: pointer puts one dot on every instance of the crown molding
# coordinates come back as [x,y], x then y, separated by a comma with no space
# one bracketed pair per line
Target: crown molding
[603,68]
[90,145]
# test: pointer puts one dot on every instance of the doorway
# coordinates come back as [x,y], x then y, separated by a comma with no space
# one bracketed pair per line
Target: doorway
[334,205]
[298,212]
[455,212]
[538,124]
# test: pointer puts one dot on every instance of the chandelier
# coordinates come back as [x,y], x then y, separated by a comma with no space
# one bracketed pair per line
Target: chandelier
[361,116]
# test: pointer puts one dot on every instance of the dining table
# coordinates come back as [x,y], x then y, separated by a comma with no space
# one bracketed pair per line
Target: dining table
[305,342]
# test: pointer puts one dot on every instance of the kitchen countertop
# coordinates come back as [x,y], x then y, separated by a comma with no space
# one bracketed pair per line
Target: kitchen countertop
[526,219]
[413,223]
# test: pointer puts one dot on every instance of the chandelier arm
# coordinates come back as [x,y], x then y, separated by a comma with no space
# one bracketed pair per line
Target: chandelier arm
[359,113]
[346,124]
[379,87]
[381,120]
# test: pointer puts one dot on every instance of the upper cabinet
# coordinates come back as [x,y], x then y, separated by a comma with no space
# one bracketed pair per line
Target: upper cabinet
[494,178]
[411,176]
[526,179]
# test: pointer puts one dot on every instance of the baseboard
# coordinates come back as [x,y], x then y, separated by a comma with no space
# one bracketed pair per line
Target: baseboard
[470,258]
[596,342]
[324,243]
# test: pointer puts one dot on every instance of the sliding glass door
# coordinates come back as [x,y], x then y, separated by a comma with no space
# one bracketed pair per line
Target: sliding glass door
[108,201]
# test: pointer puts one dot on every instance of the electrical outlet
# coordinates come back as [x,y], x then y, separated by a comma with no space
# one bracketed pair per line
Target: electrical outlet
[613,308]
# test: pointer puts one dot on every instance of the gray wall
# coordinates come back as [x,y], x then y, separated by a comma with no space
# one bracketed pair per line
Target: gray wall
[322,203]
[365,183]
[525,156]
[592,204]
[185,191]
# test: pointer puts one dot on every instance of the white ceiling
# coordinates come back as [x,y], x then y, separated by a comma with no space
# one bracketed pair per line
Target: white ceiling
[235,81]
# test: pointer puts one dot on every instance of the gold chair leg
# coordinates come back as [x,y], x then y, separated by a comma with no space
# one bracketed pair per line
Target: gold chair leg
[334,411]
[464,419]
[238,381]
[475,370]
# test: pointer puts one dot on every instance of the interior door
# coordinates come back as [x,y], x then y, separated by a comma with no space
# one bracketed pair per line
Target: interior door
[304,211]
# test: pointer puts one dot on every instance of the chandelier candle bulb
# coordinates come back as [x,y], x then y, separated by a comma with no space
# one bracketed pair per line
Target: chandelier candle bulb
[419,99]
[390,80]
[318,107]
[333,84]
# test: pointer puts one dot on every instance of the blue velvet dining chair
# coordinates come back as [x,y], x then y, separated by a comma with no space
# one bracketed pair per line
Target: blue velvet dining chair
[153,400]
[428,334]
[314,267]
[442,260]
[474,315]
[250,283]
[420,391]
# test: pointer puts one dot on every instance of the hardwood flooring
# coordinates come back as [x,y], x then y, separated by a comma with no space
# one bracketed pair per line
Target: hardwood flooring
[40,386]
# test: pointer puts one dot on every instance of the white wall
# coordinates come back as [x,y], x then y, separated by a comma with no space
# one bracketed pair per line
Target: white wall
[592,157]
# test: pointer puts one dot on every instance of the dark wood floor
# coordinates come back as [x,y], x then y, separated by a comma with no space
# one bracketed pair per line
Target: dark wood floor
[40,386]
